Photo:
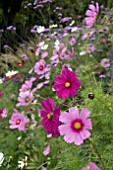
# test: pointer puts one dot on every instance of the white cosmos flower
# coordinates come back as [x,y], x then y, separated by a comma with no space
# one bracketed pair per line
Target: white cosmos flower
[72,23]
[82,53]
[74,29]
[40,29]
[23,162]
[57,44]
[53,26]
[43,46]
[1,158]
[11,73]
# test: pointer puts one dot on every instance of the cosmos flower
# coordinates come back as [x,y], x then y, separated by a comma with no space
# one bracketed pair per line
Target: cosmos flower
[50,117]
[25,98]
[105,62]
[23,163]
[3,113]
[46,150]
[40,29]
[18,121]
[39,67]
[1,158]
[26,87]
[11,73]
[92,166]
[75,127]
[66,84]
[91,15]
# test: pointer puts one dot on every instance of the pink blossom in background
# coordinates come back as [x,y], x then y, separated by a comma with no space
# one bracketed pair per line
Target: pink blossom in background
[37,52]
[90,48]
[46,150]
[44,54]
[87,35]
[50,117]
[72,41]
[92,166]
[105,62]
[75,126]
[3,113]
[25,98]
[18,121]
[91,15]
[39,67]
[66,84]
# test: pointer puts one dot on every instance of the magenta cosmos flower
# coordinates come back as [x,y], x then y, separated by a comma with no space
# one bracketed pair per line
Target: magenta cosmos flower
[25,98]
[66,83]
[18,121]
[75,125]
[50,116]
[91,15]
[39,67]
[92,166]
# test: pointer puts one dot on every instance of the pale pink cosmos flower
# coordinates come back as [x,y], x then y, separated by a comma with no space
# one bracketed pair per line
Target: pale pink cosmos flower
[91,15]
[3,113]
[46,150]
[18,121]
[92,166]
[87,35]
[75,127]
[37,52]
[25,98]
[105,62]
[39,67]
[26,87]
[44,54]
[72,41]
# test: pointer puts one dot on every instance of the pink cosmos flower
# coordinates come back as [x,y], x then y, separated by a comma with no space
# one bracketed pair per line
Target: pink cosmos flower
[92,166]
[66,84]
[75,125]
[27,86]
[18,121]
[46,150]
[105,62]
[3,113]
[72,41]
[44,54]
[50,116]
[25,98]
[39,67]
[37,52]
[91,15]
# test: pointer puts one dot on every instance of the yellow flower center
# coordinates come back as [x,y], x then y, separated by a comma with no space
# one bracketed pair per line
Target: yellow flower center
[50,115]
[88,167]
[77,125]
[27,99]
[18,122]
[67,84]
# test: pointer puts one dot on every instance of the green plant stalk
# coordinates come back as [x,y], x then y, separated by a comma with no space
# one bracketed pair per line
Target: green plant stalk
[98,154]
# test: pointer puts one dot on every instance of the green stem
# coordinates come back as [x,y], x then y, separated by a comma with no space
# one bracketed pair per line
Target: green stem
[98,154]
[104,105]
